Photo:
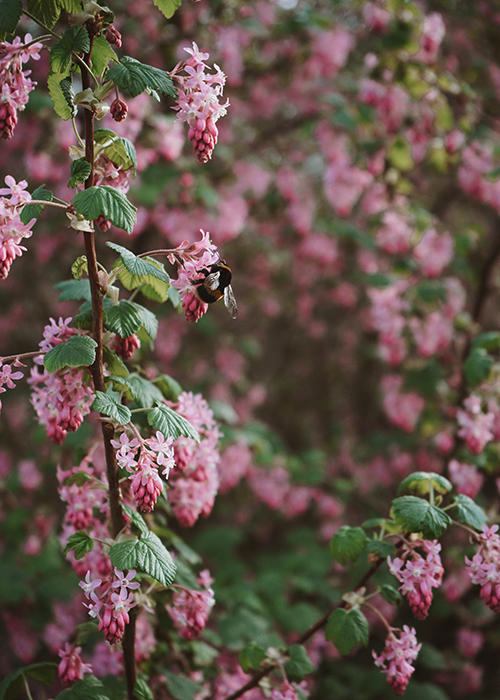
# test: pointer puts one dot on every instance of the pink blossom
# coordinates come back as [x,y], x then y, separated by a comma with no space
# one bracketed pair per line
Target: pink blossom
[234,464]
[432,334]
[344,183]
[475,426]
[394,233]
[146,483]
[390,101]
[402,409]
[15,84]
[110,608]
[125,347]
[434,252]
[469,641]
[376,17]
[418,575]
[433,32]
[484,567]
[466,478]
[71,667]
[191,608]
[400,650]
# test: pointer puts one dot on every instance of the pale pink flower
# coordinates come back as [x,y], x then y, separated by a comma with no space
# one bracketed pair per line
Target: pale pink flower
[418,575]
[71,667]
[475,426]
[434,252]
[394,233]
[191,608]
[484,567]
[403,409]
[466,478]
[400,650]
[469,641]
[433,32]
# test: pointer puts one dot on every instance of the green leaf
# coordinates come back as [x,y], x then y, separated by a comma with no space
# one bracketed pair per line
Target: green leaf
[167,7]
[80,542]
[89,688]
[390,594]
[381,549]
[347,544]
[250,657]
[135,77]
[79,267]
[108,202]
[346,628]
[114,364]
[171,424]
[148,554]
[63,95]
[71,6]
[181,688]
[44,672]
[468,512]
[73,289]
[477,366]
[174,296]
[145,393]
[75,40]
[107,406]
[77,351]
[299,664]
[148,320]
[123,319]
[10,14]
[487,341]
[79,172]
[142,690]
[118,149]
[417,515]
[79,478]
[139,266]
[425,379]
[169,387]
[32,211]
[430,291]
[102,54]
[136,518]
[421,482]
[399,154]
[45,11]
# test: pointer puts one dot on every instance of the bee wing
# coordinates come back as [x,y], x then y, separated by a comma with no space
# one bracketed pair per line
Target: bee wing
[212,281]
[230,301]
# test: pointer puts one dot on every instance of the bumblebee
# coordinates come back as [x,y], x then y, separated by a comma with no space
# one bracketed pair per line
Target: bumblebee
[217,284]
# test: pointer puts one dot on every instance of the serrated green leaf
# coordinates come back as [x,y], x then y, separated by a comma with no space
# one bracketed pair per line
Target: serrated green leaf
[118,149]
[72,6]
[181,688]
[148,320]
[11,685]
[114,364]
[487,341]
[79,478]
[77,351]
[390,594]
[135,77]
[10,14]
[142,690]
[299,664]
[33,211]
[467,511]
[145,393]
[79,172]
[79,267]
[418,515]
[74,40]
[136,518]
[139,266]
[63,95]
[174,297]
[381,549]
[169,387]
[108,202]
[123,319]
[102,54]
[107,406]
[45,11]
[347,544]
[167,7]
[171,424]
[147,554]
[89,688]
[80,542]
[477,366]
[421,482]
[250,657]
[346,629]
[73,289]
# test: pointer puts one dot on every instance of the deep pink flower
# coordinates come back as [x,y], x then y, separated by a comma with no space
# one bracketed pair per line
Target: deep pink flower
[400,650]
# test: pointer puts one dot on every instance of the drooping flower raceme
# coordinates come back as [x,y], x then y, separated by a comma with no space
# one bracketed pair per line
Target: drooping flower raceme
[190,608]
[8,377]
[484,567]
[400,650]
[15,85]
[12,229]
[418,575]
[198,102]
[71,667]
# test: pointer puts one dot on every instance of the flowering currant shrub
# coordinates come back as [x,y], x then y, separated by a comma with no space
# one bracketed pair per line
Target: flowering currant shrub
[193,507]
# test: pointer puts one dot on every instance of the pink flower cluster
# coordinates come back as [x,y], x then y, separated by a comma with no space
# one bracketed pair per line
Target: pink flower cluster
[15,85]
[198,102]
[403,409]
[465,477]
[71,667]
[8,377]
[400,650]
[190,608]
[195,483]
[476,427]
[61,399]
[391,102]
[195,260]
[12,230]
[110,602]
[418,575]
[484,567]
[154,452]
